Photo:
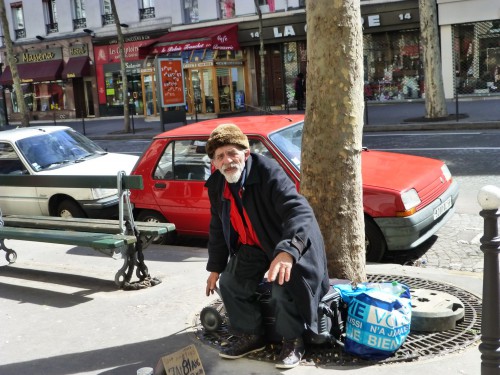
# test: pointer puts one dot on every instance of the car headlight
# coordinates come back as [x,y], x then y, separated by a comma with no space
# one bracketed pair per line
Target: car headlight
[446,172]
[410,200]
[99,193]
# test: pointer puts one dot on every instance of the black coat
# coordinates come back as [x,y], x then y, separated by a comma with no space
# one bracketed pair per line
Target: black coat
[283,221]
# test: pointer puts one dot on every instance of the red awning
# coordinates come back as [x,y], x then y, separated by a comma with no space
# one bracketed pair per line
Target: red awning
[34,72]
[222,37]
[76,67]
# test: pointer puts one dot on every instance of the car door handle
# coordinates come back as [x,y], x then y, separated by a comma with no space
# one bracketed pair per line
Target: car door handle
[160,185]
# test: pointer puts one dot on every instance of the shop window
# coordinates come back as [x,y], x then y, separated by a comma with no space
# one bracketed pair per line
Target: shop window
[393,66]
[41,97]
[50,14]
[477,58]
[191,14]
[18,19]
[226,8]
[114,89]
[80,19]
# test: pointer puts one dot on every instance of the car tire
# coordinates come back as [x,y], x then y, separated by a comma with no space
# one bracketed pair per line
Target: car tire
[68,209]
[375,241]
[155,217]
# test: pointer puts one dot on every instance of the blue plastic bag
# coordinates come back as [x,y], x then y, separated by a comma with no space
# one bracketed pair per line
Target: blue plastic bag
[378,321]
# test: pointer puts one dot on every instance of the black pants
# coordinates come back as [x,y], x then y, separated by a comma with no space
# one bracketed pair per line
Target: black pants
[238,284]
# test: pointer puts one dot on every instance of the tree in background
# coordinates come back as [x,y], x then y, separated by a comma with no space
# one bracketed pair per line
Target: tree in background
[11,59]
[331,143]
[435,103]
[263,95]
[123,69]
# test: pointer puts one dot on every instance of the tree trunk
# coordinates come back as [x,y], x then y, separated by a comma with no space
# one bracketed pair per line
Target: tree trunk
[123,69]
[11,59]
[331,143]
[435,103]
[263,94]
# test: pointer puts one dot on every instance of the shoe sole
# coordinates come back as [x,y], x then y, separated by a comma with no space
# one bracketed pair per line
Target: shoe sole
[284,367]
[227,356]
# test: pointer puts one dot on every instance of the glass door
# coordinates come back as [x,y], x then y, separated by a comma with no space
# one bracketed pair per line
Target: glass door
[149,98]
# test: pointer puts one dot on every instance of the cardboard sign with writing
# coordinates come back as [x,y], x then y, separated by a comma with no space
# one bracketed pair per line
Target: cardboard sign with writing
[183,362]
[171,77]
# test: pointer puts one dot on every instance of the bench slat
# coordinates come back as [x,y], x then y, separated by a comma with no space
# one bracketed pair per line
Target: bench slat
[94,240]
[84,224]
[65,181]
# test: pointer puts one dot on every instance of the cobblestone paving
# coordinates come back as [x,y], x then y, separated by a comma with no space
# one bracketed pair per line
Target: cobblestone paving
[456,247]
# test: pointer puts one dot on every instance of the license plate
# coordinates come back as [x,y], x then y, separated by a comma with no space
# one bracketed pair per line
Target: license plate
[442,208]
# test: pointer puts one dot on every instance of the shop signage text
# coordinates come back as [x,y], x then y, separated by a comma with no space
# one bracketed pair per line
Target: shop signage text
[40,55]
[171,77]
[78,50]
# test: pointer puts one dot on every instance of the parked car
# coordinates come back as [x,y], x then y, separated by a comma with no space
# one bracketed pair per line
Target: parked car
[58,150]
[406,198]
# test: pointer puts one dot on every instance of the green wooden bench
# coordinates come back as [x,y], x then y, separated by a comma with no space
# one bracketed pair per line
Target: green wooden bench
[123,238]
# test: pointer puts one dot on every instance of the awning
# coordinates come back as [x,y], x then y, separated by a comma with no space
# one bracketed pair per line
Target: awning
[34,72]
[222,37]
[76,67]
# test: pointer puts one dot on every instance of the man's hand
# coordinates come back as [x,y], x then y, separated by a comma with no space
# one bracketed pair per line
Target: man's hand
[281,267]
[212,283]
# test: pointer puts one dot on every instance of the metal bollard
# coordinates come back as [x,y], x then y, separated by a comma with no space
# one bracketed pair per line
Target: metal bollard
[489,200]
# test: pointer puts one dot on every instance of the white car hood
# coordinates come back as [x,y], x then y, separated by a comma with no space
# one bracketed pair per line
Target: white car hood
[106,165]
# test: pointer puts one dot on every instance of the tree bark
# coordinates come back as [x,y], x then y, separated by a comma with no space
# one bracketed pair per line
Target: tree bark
[123,69]
[435,102]
[331,143]
[11,59]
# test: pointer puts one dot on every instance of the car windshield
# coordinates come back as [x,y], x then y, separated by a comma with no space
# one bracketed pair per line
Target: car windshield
[55,149]
[289,141]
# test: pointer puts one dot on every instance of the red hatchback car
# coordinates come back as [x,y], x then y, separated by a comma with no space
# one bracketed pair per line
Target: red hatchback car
[406,198]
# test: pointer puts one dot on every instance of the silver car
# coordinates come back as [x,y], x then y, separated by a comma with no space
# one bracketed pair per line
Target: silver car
[58,150]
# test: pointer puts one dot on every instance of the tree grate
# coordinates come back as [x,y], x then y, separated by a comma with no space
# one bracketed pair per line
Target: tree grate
[418,345]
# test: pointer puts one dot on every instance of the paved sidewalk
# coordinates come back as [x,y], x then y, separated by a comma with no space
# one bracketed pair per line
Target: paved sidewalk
[62,314]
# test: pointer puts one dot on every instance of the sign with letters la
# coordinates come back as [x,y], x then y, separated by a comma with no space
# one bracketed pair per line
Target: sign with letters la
[171,78]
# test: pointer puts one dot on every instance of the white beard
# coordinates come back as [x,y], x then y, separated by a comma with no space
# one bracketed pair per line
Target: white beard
[232,177]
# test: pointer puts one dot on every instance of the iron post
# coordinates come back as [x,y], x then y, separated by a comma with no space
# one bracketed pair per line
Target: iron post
[489,200]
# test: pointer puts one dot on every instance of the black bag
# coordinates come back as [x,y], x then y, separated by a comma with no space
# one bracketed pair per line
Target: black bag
[332,313]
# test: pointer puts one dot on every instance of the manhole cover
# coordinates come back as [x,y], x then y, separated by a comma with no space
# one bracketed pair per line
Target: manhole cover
[418,345]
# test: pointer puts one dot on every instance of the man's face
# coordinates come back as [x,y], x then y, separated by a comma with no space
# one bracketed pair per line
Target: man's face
[230,161]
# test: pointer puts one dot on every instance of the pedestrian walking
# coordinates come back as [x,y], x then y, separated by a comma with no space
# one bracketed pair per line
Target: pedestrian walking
[300,90]
[260,223]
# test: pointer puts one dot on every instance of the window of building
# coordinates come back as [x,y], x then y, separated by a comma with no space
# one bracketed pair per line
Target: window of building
[79,18]
[191,14]
[107,13]
[18,19]
[267,6]
[226,8]
[146,9]
[50,15]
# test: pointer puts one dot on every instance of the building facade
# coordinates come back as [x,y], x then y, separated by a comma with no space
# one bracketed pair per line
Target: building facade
[68,59]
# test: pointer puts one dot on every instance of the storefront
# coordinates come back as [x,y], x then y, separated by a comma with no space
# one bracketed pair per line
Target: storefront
[109,78]
[470,47]
[285,55]
[214,67]
[53,89]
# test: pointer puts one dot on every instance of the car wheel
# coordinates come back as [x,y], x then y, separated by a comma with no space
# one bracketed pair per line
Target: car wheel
[155,217]
[374,241]
[69,209]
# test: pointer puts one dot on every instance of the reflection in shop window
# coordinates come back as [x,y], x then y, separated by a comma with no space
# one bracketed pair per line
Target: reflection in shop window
[191,13]
[227,8]
[41,97]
